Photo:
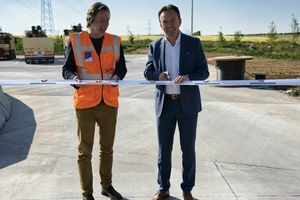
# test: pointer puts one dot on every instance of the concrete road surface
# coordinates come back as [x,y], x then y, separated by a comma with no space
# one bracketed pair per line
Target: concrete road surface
[248,141]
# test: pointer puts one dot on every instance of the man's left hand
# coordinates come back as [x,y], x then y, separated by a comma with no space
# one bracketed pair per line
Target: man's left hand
[181,79]
[115,77]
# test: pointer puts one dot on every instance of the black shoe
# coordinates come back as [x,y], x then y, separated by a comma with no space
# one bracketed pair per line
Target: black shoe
[88,197]
[111,192]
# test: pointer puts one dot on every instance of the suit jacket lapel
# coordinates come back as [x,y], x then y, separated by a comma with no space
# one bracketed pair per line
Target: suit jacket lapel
[162,55]
[182,53]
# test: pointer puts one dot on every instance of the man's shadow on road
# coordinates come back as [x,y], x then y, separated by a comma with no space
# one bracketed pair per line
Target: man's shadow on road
[17,134]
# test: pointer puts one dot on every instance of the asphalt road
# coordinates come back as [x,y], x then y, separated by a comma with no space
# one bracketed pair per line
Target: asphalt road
[248,141]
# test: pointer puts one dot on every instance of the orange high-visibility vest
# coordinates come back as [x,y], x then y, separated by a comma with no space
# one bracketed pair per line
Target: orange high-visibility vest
[90,67]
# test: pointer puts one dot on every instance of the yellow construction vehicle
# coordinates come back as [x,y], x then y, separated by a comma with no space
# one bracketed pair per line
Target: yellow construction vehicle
[7,46]
[76,28]
[37,47]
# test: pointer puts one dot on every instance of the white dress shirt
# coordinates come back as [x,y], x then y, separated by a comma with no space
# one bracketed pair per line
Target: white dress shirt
[172,54]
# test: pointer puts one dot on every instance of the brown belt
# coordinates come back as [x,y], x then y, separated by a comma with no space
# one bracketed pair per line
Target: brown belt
[174,97]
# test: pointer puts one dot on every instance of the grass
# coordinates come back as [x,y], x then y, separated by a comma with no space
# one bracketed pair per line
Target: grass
[247,38]
[141,37]
[294,92]
[282,49]
[253,45]
[214,38]
[137,46]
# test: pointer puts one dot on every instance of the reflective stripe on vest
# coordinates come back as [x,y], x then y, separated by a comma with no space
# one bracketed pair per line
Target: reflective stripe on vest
[116,48]
[86,76]
[107,76]
[78,49]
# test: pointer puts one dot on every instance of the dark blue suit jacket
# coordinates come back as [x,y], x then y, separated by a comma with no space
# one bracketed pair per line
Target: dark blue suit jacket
[192,62]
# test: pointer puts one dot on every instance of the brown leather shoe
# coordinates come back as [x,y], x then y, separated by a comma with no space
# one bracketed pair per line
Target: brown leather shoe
[161,195]
[188,196]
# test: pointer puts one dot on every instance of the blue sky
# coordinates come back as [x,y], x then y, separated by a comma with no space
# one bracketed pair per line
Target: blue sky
[210,16]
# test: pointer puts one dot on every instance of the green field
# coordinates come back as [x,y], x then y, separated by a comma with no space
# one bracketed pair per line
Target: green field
[141,37]
[230,38]
[248,38]
[254,45]
[214,38]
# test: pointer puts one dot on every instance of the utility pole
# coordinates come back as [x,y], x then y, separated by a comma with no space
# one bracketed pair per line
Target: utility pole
[192,17]
[47,22]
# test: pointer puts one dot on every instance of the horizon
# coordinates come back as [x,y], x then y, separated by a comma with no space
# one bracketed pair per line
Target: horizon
[244,34]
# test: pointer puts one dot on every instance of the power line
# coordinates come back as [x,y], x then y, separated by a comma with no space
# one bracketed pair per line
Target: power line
[62,13]
[76,11]
[27,9]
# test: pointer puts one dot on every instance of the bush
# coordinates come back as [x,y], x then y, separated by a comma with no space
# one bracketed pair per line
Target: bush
[58,45]
[131,37]
[19,46]
[221,38]
[197,33]
[238,37]
[295,92]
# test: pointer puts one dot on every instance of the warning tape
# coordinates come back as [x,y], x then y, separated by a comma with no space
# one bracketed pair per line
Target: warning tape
[278,82]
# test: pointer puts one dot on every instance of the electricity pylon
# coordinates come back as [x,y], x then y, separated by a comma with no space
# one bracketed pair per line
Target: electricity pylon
[47,22]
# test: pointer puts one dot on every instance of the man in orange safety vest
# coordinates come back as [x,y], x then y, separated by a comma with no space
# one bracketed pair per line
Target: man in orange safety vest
[95,55]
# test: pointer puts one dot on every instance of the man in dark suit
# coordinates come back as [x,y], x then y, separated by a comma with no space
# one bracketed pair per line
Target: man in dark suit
[177,57]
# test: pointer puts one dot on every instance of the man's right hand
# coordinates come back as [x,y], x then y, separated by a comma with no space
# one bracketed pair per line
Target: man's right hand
[164,76]
[77,79]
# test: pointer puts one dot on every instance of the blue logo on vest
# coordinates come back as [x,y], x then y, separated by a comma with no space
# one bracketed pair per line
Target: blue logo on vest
[88,56]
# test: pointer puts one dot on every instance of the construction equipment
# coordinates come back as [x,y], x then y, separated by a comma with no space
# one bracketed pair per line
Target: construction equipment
[7,46]
[37,47]
[75,28]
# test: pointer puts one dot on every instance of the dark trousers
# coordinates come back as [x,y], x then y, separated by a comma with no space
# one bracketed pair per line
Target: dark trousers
[172,113]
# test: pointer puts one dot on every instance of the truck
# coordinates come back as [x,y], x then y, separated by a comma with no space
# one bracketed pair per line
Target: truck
[7,46]
[75,28]
[37,46]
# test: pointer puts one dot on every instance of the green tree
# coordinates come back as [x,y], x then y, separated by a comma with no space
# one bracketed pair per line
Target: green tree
[221,37]
[197,33]
[272,35]
[131,37]
[238,36]
[295,29]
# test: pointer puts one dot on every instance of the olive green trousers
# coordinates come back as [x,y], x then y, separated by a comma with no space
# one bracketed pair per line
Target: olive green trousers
[106,118]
